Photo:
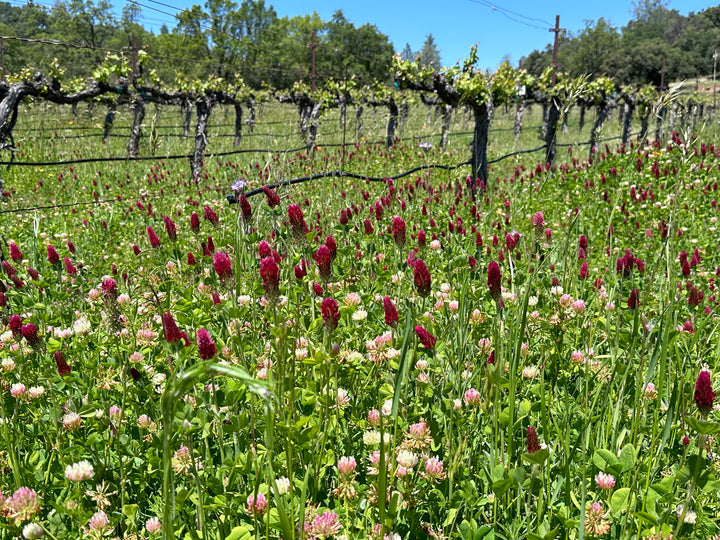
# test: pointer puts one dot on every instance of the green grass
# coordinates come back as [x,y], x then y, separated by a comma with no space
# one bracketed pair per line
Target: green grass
[608,388]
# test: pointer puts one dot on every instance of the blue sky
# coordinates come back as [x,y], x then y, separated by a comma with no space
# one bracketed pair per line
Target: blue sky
[509,27]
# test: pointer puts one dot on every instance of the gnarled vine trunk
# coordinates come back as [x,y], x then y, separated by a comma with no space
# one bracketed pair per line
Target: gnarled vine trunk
[251,110]
[186,109]
[602,114]
[392,122]
[203,107]
[404,113]
[109,119]
[658,123]
[138,117]
[550,135]
[581,120]
[644,120]
[478,160]
[358,123]
[313,122]
[519,112]
[238,125]
[446,117]
[629,109]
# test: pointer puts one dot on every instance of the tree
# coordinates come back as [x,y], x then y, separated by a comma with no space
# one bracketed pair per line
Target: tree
[635,54]
[407,53]
[291,38]
[130,15]
[650,11]
[92,23]
[345,49]
[598,50]
[429,54]
[259,42]
[536,62]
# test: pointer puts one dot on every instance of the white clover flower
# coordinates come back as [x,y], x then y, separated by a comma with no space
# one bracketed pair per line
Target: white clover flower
[81,326]
[283,485]
[77,472]
[32,531]
[36,392]
[371,438]
[407,459]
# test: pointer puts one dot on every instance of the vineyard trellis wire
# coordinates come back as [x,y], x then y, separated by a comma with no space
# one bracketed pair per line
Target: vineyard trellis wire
[254,150]
[231,197]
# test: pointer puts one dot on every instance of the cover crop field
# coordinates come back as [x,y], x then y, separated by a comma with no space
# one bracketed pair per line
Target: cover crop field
[347,358]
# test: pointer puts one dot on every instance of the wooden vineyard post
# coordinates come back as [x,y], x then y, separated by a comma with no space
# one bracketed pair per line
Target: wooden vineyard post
[554,112]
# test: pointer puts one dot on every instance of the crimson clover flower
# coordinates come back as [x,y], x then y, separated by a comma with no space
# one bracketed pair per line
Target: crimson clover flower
[270,274]
[211,216]
[52,254]
[206,346]
[170,329]
[300,270]
[330,313]
[29,332]
[421,239]
[245,208]
[533,444]
[153,237]
[297,221]
[332,246]
[634,299]
[398,231]
[494,278]
[704,394]
[15,253]
[69,267]
[538,224]
[62,365]
[109,288]
[584,272]
[421,275]
[170,228]
[272,198]
[195,222]
[323,259]
[426,338]
[222,265]
[391,314]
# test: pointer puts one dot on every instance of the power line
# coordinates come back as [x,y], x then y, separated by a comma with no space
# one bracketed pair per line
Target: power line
[57,42]
[22,4]
[152,8]
[182,10]
[513,15]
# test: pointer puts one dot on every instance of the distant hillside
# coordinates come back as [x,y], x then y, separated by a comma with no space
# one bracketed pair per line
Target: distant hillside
[635,53]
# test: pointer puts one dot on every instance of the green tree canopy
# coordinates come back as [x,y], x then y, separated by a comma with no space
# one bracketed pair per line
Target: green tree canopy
[429,54]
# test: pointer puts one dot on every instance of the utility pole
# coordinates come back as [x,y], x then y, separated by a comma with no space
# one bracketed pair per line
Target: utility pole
[313,46]
[557,31]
